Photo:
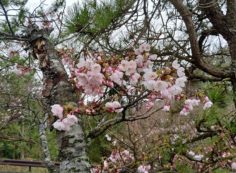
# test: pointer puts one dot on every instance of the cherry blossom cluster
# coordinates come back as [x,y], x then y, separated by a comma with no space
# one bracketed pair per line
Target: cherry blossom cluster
[130,77]
[136,73]
[144,168]
[233,165]
[114,162]
[114,106]
[188,106]
[119,160]
[190,103]
[117,156]
[64,123]
[89,77]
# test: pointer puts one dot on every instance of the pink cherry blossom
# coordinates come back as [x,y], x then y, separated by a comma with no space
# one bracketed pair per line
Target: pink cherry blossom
[181,81]
[89,77]
[66,123]
[166,108]
[57,110]
[59,125]
[144,47]
[134,73]
[134,78]
[139,60]
[233,165]
[137,51]
[194,102]
[207,105]
[82,79]
[122,65]
[161,85]
[206,99]
[175,64]
[149,75]
[144,168]
[114,106]
[105,165]
[85,64]
[130,68]
[126,156]
[148,64]
[130,89]
[149,104]
[117,77]
[175,90]
[96,68]
[180,72]
[114,157]
[153,57]
[150,84]
[70,120]
[190,103]
[167,94]
[94,78]
[184,111]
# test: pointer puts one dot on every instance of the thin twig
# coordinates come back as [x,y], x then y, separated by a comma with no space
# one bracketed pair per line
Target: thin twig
[6,16]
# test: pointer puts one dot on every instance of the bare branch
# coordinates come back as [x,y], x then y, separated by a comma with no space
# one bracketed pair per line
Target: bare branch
[6,16]
[109,123]
[196,54]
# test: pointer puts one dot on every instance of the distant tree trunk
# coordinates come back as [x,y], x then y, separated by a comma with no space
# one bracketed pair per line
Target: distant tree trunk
[44,145]
[232,47]
[58,90]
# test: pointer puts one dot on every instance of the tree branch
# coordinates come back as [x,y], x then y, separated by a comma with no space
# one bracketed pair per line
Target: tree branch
[196,54]
[204,35]
[6,16]
[217,18]
[109,123]
[6,36]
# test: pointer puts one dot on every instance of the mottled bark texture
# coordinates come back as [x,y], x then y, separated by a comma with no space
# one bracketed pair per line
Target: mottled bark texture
[44,144]
[58,90]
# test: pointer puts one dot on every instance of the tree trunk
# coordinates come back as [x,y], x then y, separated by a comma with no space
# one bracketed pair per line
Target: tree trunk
[232,48]
[58,90]
[44,144]
[73,156]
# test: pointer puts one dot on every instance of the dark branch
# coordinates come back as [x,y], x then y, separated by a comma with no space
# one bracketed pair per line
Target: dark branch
[6,36]
[218,19]
[6,16]
[196,54]
[109,123]
[204,35]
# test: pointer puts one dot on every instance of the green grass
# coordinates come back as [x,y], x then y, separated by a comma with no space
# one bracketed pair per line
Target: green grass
[21,169]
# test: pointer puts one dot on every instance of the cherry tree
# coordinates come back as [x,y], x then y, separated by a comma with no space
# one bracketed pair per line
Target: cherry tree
[109,83]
